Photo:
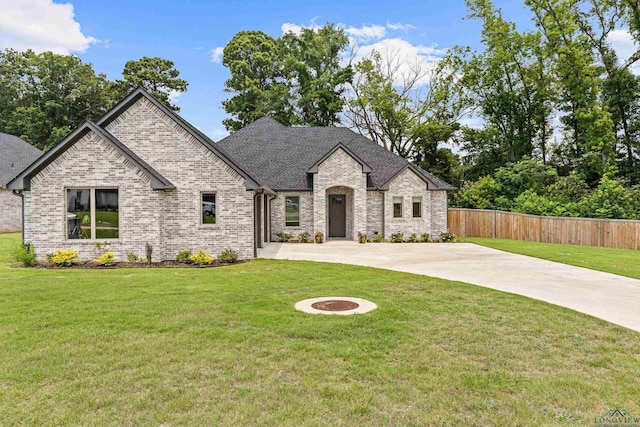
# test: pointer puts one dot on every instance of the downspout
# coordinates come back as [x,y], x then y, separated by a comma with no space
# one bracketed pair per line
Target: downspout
[384,212]
[16,193]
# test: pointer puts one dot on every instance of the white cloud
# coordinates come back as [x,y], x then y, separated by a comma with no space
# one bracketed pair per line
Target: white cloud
[289,27]
[41,25]
[398,26]
[625,46]
[217,133]
[366,32]
[216,54]
[174,95]
[406,57]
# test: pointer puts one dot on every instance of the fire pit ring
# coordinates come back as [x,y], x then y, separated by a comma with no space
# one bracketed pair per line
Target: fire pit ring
[335,305]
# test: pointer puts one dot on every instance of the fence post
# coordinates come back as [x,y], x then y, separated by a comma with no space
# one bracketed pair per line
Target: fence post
[494,224]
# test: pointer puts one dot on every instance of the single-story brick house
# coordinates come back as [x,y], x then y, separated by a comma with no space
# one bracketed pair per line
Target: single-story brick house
[15,155]
[142,174]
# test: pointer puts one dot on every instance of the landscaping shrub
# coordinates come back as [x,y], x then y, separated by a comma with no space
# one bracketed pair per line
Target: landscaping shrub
[362,238]
[284,237]
[149,251]
[62,257]
[447,237]
[319,237]
[25,254]
[201,258]
[131,257]
[184,256]
[397,237]
[107,259]
[228,256]
[305,237]
[425,237]
[378,238]
[413,238]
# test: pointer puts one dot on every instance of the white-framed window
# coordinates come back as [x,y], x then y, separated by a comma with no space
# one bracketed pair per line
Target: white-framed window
[92,213]
[397,207]
[416,203]
[292,211]
[208,211]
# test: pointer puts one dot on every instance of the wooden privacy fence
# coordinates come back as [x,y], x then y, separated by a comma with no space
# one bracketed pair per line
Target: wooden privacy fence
[612,233]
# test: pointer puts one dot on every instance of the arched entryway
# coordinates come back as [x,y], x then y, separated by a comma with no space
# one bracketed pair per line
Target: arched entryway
[339,213]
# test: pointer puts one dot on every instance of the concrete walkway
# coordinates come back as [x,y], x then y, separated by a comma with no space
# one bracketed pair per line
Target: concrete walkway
[607,296]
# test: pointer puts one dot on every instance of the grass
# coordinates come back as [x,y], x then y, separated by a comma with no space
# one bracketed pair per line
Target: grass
[625,262]
[225,347]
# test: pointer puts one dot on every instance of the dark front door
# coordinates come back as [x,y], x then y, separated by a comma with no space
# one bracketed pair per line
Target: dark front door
[337,215]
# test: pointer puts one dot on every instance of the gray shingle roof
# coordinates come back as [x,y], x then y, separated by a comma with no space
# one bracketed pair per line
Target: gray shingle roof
[15,156]
[281,155]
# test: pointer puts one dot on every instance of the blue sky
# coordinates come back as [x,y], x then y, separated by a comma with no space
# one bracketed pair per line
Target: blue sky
[107,34]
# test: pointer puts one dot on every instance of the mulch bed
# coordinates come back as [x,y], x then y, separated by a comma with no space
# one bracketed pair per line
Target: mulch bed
[160,264]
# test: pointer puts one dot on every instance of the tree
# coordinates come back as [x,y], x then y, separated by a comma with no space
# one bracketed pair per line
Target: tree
[257,80]
[510,84]
[312,64]
[46,95]
[156,75]
[296,79]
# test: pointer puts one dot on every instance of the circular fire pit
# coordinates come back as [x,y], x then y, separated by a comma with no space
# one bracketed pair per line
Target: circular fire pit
[335,305]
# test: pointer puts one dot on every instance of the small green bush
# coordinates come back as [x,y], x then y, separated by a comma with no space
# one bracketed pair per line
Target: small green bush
[228,256]
[425,237]
[25,254]
[284,237]
[447,237]
[201,258]
[413,238]
[397,237]
[131,257]
[305,237]
[107,259]
[378,238]
[149,251]
[63,257]
[184,256]
[319,237]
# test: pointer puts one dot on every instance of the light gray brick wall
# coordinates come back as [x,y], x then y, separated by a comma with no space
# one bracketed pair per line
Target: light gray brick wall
[408,185]
[340,170]
[439,212]
[278,224]
[91,162]
[193,169]
[10,212]
[169,220]
[374,212]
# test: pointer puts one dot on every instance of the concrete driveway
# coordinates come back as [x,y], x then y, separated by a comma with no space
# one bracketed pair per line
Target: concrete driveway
[607,296]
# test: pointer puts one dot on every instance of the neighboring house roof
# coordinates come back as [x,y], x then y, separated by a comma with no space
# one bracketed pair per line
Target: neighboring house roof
[284,156]
[23,180]
[253,182]
[15,156]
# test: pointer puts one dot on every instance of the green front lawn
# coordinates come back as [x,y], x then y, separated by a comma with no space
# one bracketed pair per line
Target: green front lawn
[225,346]
[625,262]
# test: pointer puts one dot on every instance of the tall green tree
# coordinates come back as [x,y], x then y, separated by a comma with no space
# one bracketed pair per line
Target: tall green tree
[312,65]
[510,83]
[158,76]
[45,95]
[257,80]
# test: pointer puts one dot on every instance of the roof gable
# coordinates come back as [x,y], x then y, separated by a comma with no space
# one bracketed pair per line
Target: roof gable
[340,146]
[431,185]
[23,180]
[252,181]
